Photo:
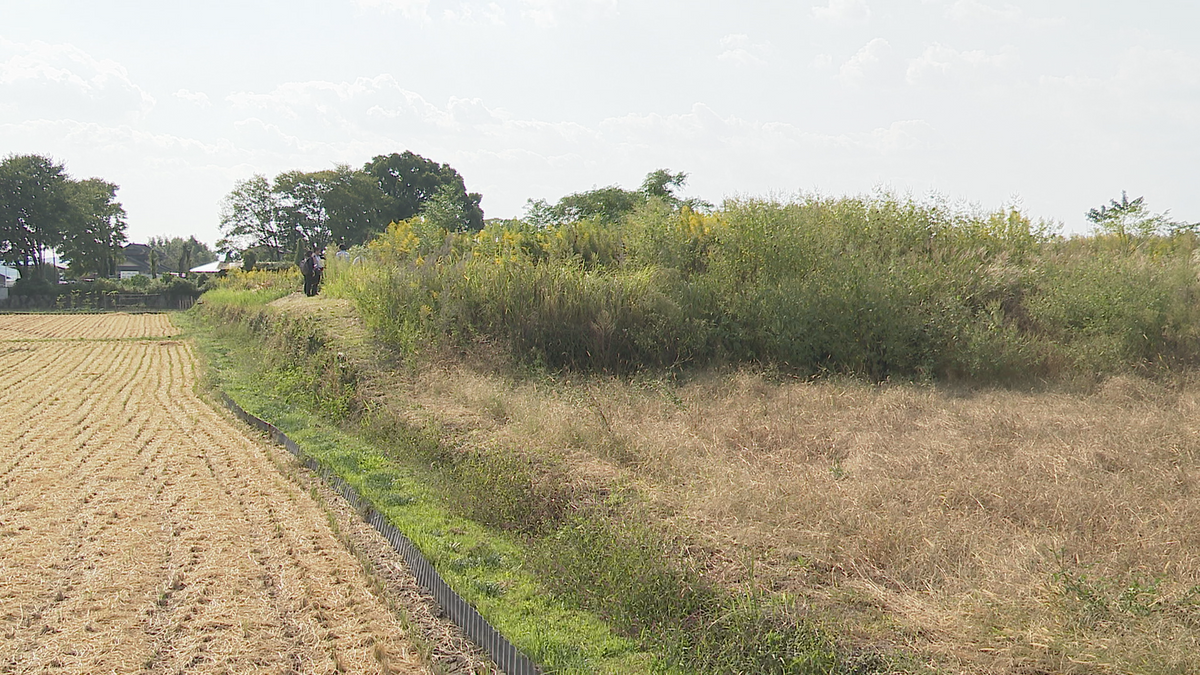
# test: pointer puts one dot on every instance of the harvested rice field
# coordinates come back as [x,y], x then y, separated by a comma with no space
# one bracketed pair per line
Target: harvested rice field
[143,531]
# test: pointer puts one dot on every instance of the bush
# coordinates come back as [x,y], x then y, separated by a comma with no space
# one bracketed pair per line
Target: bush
[33,286]
[877,287]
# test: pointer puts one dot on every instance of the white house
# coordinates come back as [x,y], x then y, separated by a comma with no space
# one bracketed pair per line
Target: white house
[8,276]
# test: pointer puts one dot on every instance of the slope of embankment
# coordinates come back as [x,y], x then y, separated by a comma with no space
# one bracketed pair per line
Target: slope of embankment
[738,520]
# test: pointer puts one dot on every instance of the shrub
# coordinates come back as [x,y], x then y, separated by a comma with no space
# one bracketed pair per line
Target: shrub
[877,286]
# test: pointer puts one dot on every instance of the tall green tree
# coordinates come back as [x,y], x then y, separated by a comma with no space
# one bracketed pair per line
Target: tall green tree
[410,181]
[93,237]
[42,210]
[250,217]
[341,205]
[35,208]
[303,215]
[180,255]
[356,206]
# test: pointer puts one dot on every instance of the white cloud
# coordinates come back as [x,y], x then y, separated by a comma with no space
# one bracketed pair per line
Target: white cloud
[866,60]
[1164,69]
[939,63]
[412,9]
[900,136]
[1150,89]
[704,126]
[366,108]
[197,97]
[39,79]
[476,13]
[548,13]
[980,12]
[737,48]
[843,11]
[974,10]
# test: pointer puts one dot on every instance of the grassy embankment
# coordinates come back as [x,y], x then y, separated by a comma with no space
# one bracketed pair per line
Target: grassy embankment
[677,416]
[545,557]
[282,369]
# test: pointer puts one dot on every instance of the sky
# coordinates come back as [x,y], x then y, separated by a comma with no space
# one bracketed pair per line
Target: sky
[1053,106]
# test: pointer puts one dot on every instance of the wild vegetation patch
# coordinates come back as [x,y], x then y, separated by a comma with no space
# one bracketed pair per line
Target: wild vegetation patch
[922,430]
[877,287]
[572,536]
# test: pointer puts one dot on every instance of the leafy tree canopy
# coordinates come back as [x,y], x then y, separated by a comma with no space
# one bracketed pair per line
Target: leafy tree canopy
[411,181]
[610,204]
[1131,218]
[176,254]
[250,216]
[302,209]
[42,209]
[96,230]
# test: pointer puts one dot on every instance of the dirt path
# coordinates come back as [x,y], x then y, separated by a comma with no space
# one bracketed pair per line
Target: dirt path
[141,531]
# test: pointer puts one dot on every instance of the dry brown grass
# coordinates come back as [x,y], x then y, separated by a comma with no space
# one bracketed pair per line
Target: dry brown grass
[992,531]
[995,531]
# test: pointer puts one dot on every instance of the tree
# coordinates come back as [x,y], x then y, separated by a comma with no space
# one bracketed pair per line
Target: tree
[662,184]
[409,181]
[343,205]
[302,214]
[42,209]
[355,206]
[607,204]
[35,205]
[93,236]
[250,217]
[1127,218]
[181,254]
[444,210]
[185,258]
[611,204]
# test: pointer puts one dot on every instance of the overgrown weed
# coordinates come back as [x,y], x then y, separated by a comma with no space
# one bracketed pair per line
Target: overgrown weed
[581,542]
[878,287]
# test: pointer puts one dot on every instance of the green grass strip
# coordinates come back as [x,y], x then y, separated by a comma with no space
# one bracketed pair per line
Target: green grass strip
[484,566]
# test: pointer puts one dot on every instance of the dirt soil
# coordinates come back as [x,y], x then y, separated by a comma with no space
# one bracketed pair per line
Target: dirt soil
[142,530]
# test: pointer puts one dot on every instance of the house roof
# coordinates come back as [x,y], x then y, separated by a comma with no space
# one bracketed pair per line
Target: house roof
[136,258]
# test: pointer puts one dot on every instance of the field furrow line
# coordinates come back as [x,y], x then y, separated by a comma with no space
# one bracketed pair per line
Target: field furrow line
[142,531]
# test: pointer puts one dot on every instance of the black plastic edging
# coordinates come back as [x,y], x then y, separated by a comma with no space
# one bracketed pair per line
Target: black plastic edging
[504,653]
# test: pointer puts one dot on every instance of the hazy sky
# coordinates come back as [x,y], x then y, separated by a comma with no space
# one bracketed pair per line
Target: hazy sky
[1056,105]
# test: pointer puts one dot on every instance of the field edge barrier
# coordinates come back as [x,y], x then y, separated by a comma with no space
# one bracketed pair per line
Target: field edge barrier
[506,655]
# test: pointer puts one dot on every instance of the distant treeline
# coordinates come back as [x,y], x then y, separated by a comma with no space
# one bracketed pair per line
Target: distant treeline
[43,209]
[879,287]
[276,218]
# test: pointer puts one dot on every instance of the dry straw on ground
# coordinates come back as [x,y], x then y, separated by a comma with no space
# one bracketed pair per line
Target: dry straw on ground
[140,530]
[992,531]
[989,531]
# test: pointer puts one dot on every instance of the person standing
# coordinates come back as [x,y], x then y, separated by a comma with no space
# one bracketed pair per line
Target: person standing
[308,268]
[318,271]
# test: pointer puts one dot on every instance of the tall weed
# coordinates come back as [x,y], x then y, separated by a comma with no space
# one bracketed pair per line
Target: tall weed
[877,286]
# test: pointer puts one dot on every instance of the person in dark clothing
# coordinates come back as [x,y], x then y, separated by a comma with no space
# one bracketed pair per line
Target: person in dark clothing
[318,271]
[311,270]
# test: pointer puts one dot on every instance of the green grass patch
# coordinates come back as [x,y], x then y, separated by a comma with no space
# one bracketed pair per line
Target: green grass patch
[485,566]
[582,582]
